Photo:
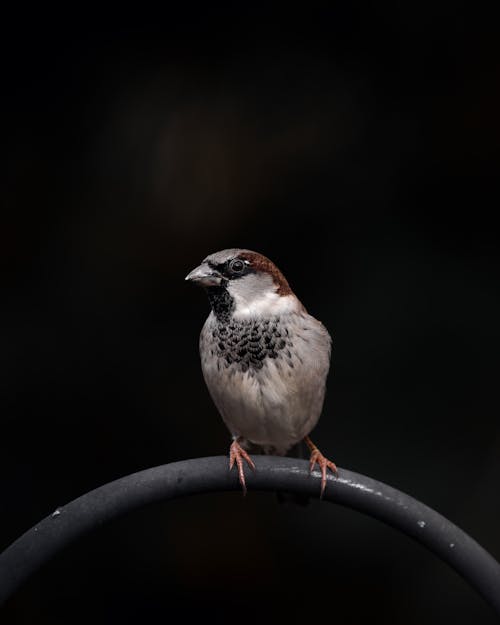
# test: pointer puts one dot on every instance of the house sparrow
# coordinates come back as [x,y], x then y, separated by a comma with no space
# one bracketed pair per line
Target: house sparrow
[264,358]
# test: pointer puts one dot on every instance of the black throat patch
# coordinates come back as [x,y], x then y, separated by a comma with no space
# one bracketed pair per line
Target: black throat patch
[221,302]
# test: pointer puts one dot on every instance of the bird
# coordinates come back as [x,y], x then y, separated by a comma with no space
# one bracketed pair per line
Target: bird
[264,358]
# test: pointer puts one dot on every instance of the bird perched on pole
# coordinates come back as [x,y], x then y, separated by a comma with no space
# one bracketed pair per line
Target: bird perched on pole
[264,358]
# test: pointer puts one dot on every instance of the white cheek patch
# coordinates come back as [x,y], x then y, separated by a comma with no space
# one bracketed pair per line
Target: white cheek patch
[266,305]
[254,295]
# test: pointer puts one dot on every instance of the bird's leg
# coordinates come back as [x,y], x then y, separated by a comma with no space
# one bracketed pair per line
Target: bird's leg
[323,463]
[238,454]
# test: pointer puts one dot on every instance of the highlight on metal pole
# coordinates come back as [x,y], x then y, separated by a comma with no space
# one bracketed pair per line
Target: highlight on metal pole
[202,475]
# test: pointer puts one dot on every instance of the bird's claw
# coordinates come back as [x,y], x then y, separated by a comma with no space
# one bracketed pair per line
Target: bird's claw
[236,455]
[324,464]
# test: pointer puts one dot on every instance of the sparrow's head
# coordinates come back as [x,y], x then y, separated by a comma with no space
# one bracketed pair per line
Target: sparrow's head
[243,282]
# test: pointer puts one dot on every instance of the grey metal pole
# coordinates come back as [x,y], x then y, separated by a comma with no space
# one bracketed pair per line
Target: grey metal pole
[189,477]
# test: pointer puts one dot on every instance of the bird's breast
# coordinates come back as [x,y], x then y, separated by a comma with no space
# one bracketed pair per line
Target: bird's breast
[247,345]
[267,376]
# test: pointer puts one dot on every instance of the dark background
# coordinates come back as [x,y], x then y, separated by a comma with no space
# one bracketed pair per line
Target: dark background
[354,146]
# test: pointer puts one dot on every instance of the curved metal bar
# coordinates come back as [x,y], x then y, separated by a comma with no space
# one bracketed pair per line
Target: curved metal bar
[202,475]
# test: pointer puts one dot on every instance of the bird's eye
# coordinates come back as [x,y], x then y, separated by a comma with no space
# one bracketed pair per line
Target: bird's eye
[236,265]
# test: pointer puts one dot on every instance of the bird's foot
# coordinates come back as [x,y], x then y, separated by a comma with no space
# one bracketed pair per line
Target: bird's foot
[236,455]
[323,463]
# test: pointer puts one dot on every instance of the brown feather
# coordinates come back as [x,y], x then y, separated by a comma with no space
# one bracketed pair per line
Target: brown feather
[262,263]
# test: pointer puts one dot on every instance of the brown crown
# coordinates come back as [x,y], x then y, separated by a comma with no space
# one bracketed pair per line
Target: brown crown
[262,263]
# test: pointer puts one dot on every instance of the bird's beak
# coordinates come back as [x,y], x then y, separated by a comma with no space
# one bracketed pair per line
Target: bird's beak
[204,275]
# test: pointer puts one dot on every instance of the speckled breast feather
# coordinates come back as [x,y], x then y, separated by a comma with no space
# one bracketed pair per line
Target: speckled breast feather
[267,375]
[248,343]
